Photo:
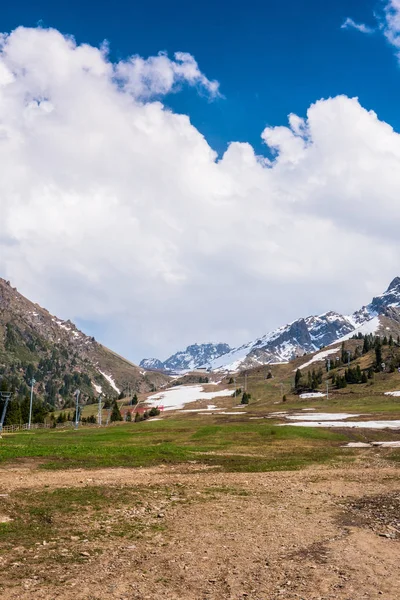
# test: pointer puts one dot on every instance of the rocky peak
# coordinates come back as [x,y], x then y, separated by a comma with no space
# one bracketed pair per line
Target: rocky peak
[395,285]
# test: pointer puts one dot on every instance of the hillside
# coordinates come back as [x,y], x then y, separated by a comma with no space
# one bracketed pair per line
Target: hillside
[59,356]
[307,335]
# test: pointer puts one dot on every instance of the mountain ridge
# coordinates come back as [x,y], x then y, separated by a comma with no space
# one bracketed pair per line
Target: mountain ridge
[60,357]
[309,334]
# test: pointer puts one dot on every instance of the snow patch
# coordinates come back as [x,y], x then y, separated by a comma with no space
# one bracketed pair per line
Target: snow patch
[110,381]
[319,356]
[177,397]
[366,328]
[313,395]
[322,417]
[350,424]
[373,444]
[396,393]
[98,388]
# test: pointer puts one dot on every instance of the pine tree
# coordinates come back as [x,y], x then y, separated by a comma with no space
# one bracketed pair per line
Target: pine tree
[366,345]
[134,400]
[13,416]
[297,378]
[115,414]
[378,354]
[245,398]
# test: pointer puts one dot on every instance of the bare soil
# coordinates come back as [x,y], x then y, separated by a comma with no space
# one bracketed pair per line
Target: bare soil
[316,534]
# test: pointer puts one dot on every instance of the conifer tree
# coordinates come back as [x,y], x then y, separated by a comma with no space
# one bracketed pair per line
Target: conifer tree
[378,354]
[297,378]
[115,414]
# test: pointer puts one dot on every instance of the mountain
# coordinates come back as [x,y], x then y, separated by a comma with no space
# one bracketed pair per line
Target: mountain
[61,358]
[305,335]
[193,357]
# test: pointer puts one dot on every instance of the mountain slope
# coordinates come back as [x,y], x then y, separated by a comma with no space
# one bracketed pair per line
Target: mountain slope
[193,357]
[305,335]
[59,356]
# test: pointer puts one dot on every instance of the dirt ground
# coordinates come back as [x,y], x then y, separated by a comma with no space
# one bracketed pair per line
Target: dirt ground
[320,533]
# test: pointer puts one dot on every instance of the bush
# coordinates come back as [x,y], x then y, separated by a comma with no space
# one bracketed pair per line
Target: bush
[138,417]
[129,416]
[245,398]
[154,412]
[284,398]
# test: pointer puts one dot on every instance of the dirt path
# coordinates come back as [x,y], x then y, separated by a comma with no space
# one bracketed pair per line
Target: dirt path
[312,534]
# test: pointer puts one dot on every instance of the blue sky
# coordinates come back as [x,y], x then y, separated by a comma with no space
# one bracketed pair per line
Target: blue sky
[115,212]
[270,57]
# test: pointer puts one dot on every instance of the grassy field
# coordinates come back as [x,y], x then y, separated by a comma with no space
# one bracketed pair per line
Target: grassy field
[245,446]
[229,442]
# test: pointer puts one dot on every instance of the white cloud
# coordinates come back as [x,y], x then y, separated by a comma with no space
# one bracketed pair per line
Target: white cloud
[391,23]
[116,211]
[158,75]
[388,22]
[351,24]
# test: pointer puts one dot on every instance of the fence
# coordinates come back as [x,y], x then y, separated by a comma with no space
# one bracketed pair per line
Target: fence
[66,425]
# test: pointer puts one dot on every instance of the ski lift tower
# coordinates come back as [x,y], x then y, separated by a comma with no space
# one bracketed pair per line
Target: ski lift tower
[77,415]
[32,382]
[99,411]
[5,396]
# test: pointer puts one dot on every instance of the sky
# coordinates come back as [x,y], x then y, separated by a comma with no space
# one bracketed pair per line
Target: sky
[175,174]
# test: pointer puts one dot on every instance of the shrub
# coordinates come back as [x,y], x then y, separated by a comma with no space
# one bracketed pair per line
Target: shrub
[154,412]
[245,398]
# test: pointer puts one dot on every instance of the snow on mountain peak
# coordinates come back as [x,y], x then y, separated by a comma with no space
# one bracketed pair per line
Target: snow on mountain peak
[303,336]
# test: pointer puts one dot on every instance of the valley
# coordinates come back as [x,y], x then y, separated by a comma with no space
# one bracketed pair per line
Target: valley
[285,474]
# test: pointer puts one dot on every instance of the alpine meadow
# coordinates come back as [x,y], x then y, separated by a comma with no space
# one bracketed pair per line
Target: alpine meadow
[200,300]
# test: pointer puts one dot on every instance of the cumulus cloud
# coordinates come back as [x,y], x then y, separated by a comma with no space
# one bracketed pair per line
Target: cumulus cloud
[158,75]
[116,212]
[351,24]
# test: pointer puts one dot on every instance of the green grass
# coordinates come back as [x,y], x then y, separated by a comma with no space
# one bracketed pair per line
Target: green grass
[172,441]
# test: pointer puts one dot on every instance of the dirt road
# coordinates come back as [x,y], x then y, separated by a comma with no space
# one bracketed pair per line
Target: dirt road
[312,534]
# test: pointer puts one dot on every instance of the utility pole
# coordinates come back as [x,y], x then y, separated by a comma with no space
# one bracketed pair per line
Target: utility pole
[77,394]
[327,390]
[348,357]
[5,396]
[33,381]
[99,414]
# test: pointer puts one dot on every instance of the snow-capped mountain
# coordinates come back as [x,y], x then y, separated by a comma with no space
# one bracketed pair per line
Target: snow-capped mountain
[300,337]
[195,356]
[287,342]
